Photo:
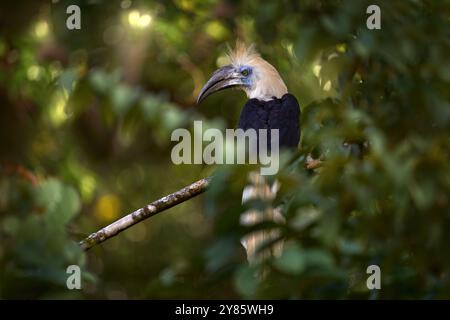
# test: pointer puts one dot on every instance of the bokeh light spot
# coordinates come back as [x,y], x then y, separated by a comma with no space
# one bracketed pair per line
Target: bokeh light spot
[58,114]
[125,4]
[327,86]
[34,72]
[107,208]
[316,69]
[138,20]
[41,29]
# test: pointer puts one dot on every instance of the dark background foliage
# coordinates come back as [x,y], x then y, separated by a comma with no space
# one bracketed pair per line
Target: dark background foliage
[85,123]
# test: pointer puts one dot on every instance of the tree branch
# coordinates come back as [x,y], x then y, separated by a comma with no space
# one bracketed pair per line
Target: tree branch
[148,211]
[158,206]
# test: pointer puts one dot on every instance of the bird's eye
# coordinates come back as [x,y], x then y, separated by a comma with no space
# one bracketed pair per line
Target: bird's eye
[245,72]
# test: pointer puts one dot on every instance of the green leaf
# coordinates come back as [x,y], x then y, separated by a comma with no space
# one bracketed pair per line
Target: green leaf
[67,79]
[291,260]
[123,98]
[317,258]
[246,280]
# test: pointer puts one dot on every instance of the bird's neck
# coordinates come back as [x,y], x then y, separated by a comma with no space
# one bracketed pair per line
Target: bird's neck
[263,95]
[267,87]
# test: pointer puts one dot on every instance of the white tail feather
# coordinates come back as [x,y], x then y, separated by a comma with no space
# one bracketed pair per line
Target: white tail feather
[260,189]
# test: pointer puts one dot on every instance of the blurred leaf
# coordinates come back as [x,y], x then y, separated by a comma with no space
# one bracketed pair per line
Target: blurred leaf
[246,281]
[123,98]
[292,260]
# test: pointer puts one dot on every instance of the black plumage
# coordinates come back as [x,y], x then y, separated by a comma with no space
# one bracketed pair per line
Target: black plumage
[282,114]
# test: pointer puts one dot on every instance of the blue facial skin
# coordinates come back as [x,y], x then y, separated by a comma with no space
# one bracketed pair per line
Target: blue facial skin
[246,73]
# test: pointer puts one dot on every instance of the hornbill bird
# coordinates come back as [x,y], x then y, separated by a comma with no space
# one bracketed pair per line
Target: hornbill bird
[269,106]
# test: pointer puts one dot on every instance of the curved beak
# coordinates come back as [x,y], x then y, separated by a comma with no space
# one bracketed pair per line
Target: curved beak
[223,78]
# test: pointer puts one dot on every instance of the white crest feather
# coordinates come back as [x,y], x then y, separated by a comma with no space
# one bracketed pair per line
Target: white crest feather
[268,82]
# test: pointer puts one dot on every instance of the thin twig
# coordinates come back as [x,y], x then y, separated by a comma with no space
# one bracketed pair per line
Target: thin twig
[148,211]
[312,163]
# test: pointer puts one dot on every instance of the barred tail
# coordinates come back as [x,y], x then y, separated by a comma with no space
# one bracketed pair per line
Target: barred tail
[260,189]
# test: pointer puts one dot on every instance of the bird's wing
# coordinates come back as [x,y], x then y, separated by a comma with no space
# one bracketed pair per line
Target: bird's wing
[284,116]
[254,115]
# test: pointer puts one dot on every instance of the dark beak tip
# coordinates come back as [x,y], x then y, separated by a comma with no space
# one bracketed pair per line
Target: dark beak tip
[199,99]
